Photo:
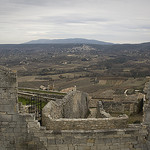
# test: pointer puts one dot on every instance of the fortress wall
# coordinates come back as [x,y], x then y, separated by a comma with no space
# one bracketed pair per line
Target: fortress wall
[132,138]
[21,132]
[114,139]
[14,133]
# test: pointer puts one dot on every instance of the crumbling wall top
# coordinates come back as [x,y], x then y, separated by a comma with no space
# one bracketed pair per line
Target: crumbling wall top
[7,78]
[73,105]
[8,91]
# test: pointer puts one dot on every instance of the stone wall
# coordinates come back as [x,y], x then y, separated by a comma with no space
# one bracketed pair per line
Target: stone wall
[14,131]
[76,105]
[101,113]
[73,105]
[121,107]
[146,119]
[85,124]
[112,106]
[122,139]
[147,104]
[52,110]
[22,132]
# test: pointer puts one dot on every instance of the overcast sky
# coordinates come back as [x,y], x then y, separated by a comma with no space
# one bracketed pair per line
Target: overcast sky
[118,21]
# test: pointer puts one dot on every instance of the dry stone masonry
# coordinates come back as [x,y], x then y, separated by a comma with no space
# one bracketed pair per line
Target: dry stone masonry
[120,103]
[71,114]
[20,131]
[14,131]
[73,105]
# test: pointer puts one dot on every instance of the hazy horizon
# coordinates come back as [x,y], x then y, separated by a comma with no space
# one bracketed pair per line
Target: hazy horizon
[90,39]
[77,38]
[115,21]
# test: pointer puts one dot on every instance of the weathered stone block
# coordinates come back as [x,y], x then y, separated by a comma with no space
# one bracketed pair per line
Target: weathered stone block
[51,141]
[71,147]
[79,141]
[5,118]
[9,109]
[52,147]
[84,147]
[63,147]
[68,140]
[102,147]
[60,141]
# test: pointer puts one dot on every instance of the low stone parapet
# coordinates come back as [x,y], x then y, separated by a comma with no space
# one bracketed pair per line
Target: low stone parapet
[84,124]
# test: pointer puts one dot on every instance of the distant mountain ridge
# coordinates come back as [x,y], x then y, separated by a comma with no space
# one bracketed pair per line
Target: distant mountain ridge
[68,41]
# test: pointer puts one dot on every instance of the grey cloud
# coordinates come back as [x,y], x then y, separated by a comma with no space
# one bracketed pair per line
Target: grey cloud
[26,2]
[43,2]
[147,27]
[84,18]
[67,19]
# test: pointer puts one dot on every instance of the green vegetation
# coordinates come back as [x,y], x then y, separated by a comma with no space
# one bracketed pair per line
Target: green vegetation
[28,101]
[40,91]
[23,101]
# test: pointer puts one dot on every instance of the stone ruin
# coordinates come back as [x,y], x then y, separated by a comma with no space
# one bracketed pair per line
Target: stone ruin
[101,113]
[20,131]
[73,105]
[71,113]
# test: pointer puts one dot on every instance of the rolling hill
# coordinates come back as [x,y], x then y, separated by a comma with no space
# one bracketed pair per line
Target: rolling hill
[68,41]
